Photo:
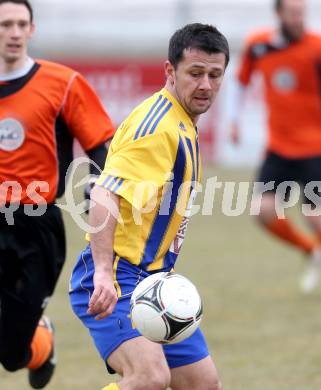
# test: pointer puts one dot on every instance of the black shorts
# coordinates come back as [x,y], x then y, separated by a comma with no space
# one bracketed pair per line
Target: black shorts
[306,172]
[32,253]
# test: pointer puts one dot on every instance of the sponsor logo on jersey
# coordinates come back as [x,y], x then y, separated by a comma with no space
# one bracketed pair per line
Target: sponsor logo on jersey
[182,126]
[180,236]
[284,80]
[12,134]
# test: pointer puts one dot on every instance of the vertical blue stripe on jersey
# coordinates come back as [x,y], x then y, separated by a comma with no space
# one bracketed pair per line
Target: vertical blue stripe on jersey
[164,112]
[154,116]
[116,187]
[170,257]
[190,147]
[112,183]
[147,116]
[108,178]
[197,160]
[161,222]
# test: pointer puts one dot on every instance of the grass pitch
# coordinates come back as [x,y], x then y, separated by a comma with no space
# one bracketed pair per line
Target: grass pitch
[262,332]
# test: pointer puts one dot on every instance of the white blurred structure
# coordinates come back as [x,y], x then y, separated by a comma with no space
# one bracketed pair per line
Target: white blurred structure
[142,27]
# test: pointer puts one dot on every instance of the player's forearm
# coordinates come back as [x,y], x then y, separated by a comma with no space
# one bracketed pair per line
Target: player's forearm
[103,218]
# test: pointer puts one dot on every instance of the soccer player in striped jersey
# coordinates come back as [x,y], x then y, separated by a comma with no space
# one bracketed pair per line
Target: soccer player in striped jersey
[289,60]
[43,106]
[142,204]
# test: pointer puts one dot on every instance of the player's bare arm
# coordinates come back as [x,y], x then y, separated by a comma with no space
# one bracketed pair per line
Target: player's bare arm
[103,216]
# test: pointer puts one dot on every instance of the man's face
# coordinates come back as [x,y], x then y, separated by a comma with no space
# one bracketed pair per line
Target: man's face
[292,18]
[196,80]
[15,31]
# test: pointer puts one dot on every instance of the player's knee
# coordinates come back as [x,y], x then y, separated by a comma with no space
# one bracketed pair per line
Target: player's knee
[162,380]
[11,365]
[217,385]
[211,382]
[159,382]
[12,360]
[266,209]
[155,379]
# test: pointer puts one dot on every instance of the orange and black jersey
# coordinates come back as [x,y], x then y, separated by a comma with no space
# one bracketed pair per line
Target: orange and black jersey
[292,81]
[40,114]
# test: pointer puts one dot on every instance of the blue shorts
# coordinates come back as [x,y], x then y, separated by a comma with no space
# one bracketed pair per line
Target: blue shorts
[109,333]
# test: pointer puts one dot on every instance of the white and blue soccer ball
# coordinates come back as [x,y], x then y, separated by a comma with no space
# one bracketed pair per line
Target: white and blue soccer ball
[166,308]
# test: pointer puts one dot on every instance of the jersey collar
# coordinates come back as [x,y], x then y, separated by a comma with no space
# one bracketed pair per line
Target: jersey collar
[20,72]
[177,106]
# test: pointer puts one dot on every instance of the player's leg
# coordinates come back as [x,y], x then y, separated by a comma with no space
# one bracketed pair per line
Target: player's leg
[311,210]
[283,228]
[18,324]
[201,375]
[278,170]
[141,364]
[20,310]
[31,260]
[311,179]
[190,364]
[52,251]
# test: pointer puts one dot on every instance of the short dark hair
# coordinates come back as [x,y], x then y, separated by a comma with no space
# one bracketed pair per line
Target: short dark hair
[204,37]
[23,2]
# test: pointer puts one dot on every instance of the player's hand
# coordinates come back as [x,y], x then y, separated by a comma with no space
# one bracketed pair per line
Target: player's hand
[235,134]
[104,297]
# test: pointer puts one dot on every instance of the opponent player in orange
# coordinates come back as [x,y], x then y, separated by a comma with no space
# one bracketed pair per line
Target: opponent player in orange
[43,106]
[289,59]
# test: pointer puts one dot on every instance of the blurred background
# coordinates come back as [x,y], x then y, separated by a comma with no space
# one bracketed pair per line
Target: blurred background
[262,332]
[121,45]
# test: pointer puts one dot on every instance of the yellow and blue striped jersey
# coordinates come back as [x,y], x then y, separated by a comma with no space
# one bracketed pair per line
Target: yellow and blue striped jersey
[153,164]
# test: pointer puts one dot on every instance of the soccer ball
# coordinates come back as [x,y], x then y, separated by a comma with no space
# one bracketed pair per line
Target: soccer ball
[166,308]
